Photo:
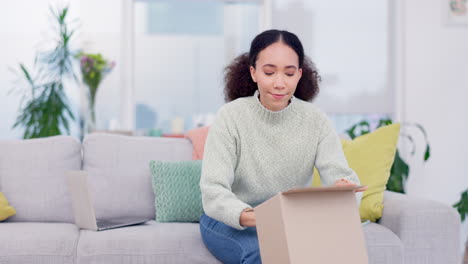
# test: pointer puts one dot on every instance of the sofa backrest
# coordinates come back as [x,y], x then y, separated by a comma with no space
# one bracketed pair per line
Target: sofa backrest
[33,177]
[118,170]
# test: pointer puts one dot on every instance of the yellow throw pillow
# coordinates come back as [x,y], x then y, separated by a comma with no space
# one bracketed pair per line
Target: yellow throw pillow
[371,157]
[5,209]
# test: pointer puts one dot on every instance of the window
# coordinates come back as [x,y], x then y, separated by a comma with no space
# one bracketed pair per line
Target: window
[181,49]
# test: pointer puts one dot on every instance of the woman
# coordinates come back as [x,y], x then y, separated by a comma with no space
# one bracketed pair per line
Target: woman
[266,139]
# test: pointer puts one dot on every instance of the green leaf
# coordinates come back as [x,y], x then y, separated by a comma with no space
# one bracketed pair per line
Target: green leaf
[398,174]
[427,153]
[422,130]
[462,205]
[364,128]
[384,122]
[63,14]
[350,132]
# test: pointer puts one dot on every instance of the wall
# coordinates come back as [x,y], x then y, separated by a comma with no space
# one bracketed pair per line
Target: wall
[434,89]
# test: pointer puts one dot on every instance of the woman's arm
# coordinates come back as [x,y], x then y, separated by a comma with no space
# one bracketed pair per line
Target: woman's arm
[330,160]
[219,162]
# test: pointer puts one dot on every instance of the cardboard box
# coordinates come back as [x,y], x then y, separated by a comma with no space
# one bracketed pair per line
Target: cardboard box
[311,225]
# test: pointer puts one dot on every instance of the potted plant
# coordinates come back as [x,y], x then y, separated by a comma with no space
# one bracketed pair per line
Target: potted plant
[400,169]
[44,110]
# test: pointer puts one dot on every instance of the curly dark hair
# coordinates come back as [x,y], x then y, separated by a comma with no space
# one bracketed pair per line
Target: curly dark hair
[237,77]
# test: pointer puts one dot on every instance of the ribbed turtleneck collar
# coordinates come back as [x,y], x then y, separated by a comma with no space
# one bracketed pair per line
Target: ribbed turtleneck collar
[274,116]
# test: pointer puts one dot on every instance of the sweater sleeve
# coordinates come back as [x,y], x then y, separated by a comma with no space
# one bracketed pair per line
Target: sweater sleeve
[219,162]
[330,160]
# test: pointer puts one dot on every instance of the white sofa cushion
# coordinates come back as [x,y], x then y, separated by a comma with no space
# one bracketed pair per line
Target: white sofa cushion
[33,177]
[152,242]
[119,175]
[51,243]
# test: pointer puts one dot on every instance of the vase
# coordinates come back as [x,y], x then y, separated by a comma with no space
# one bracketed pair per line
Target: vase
[91,126]
[89,110]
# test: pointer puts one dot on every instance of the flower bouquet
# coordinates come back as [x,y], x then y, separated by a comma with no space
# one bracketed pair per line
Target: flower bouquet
[94,67]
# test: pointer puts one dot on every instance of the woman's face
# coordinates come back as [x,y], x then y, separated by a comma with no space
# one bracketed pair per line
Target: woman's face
[276,73]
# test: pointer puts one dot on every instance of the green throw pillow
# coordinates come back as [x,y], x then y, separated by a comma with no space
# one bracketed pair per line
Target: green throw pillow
[177,190]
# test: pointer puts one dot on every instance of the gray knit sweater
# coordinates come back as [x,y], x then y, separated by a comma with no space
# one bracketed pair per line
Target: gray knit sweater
[252,153]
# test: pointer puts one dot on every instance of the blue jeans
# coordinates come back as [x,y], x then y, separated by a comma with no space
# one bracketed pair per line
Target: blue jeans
[228,244]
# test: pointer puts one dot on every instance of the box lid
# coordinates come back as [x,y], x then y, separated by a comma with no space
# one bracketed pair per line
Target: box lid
[322,189]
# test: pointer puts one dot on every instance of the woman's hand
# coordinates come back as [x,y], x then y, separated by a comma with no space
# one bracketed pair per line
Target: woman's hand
[247,218]
[344,182]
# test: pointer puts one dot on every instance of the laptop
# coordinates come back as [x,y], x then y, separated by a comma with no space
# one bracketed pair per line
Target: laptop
[83,209]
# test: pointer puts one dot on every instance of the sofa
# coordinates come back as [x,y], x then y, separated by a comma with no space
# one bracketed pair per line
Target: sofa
[33,178]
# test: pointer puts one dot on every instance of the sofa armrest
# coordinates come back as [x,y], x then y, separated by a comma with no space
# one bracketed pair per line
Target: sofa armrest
[429,230]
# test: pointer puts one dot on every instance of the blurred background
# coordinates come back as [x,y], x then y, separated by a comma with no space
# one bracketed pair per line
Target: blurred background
[379,59]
